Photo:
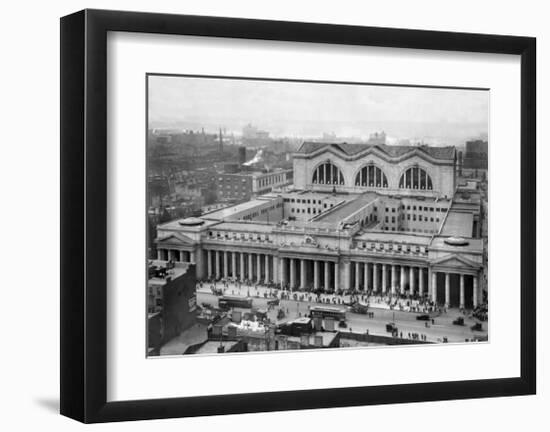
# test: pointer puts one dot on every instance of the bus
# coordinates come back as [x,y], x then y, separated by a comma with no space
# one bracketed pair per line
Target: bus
[327,312]
[228,302]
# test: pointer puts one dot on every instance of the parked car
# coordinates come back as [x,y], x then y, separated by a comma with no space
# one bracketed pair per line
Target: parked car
[391,327]
[459,321]
[477,327]
[342,324]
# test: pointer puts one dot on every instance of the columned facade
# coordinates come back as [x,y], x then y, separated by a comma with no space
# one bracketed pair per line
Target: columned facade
[441,284]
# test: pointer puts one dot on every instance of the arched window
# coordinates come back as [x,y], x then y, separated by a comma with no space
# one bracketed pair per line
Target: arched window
[371,176]
[416,178]
[329,174]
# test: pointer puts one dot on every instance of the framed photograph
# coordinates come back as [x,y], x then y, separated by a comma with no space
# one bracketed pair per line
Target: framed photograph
[265,216]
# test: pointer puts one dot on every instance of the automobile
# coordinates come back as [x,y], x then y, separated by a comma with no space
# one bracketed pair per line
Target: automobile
[360,308]
[459,321]
[273,301]
[391,327]
[477,327]
[423,317]
[342,324]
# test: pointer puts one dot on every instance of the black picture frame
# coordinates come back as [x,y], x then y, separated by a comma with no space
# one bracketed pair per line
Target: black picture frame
[84,215]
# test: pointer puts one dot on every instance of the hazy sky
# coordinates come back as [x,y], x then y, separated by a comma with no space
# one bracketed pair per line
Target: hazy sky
[443,116]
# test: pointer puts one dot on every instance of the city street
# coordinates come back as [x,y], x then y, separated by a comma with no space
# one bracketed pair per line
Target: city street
[406,322]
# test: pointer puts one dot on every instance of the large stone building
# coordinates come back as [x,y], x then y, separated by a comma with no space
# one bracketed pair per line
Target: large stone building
[387,219]
[245,185]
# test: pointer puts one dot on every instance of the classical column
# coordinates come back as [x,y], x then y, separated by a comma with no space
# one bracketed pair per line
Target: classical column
[225,265]
[347,275]
[276,273]
[393,278]
[234,264]
[420,281]
[327,275]
[475,293]
[336,277]
[411,279]
[259,267]
[316,274]
[357,273]
[366,276]
[402,280]
[292,273]
[434,287]
[375,277]
[282,270]
[462,291]
[192,257]
[384,278]
[159,254]
[209,264]
[217,258]
[447,289]
[302,274]
[266,278]
[250,268]
[242,275]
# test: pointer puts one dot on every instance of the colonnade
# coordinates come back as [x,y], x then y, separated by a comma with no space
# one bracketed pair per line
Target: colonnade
[386,278]
[175,255]
[476,292]
[258,267]
[332,274]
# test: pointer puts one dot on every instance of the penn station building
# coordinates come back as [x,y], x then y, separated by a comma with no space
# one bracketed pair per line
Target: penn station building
[366,217]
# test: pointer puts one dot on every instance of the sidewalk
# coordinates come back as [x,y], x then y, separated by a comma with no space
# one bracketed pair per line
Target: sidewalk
[262,291]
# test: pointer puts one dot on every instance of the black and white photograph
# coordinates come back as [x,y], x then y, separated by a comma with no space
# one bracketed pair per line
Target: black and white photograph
[292,215]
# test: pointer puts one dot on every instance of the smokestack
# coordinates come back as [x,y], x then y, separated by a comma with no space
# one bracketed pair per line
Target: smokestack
[220,145]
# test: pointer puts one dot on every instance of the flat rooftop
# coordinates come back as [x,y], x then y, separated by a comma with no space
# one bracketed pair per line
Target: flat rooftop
[211,347]
[390,236]
[177,271]
[327,337]
[193,335]
[458,224]
[344,210]
[175,225]
[245,226]
[230,211]
[474,245]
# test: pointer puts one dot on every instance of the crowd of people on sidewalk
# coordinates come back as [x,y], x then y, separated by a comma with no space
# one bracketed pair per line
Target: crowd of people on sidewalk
[372,299]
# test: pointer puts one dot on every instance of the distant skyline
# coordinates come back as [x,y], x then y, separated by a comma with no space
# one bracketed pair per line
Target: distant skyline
[296,109]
